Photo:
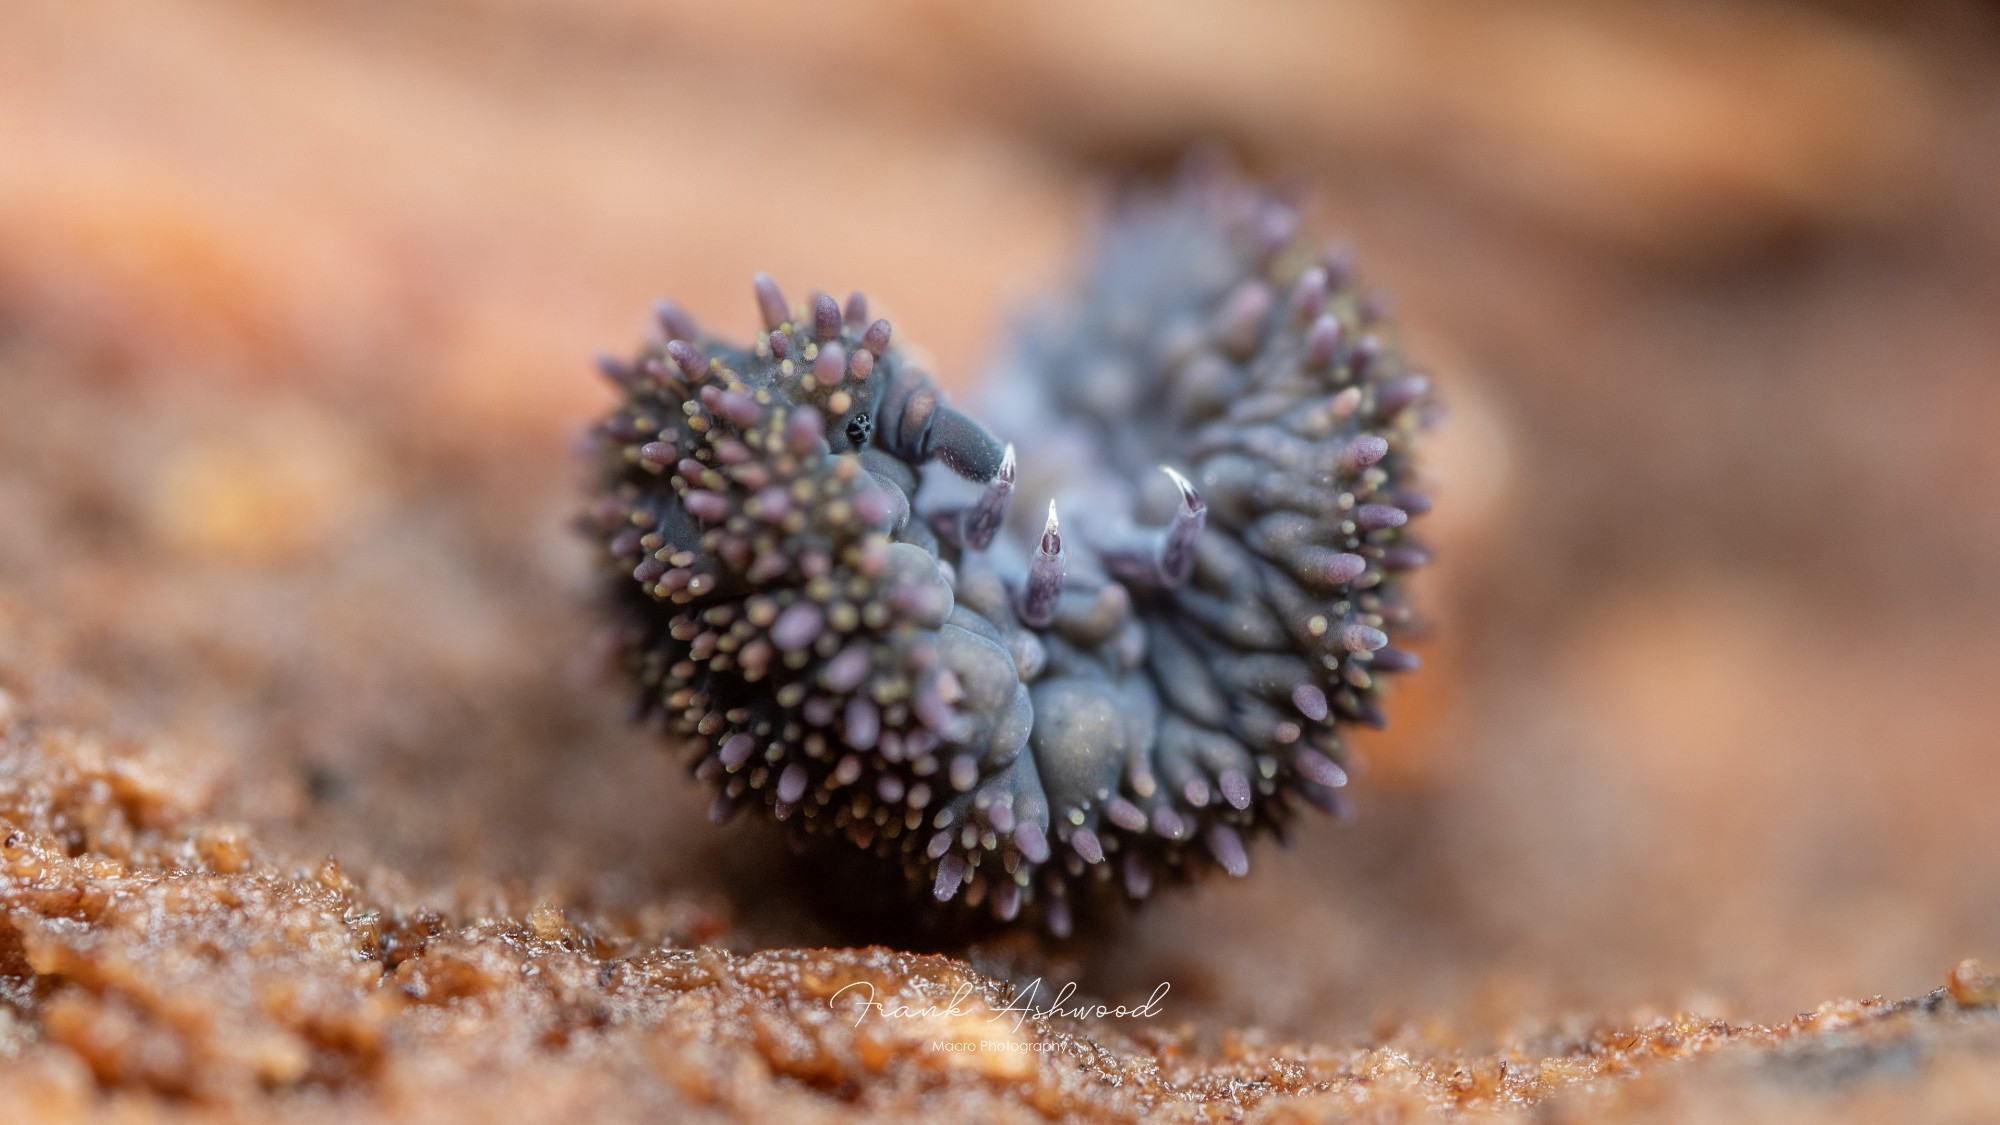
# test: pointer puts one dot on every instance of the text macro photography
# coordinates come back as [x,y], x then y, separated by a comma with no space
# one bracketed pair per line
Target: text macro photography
[1078,560]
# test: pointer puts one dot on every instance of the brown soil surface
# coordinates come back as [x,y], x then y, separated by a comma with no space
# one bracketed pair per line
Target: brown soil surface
[315,805]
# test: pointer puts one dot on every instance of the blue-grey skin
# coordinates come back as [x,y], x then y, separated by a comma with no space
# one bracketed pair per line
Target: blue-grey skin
[1102,656]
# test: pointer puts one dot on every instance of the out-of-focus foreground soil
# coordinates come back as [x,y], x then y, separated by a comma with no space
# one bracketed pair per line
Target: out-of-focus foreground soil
[296,309]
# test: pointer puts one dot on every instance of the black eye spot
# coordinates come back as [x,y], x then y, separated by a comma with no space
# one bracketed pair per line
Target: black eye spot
[859,428]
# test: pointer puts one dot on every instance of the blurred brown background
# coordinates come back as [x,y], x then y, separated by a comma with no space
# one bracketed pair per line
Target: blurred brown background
[297,303]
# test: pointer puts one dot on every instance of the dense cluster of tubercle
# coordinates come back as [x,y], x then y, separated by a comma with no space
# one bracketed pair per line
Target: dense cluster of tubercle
[1097,643]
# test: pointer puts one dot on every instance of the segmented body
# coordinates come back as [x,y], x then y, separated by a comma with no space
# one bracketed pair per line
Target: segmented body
[1028,673]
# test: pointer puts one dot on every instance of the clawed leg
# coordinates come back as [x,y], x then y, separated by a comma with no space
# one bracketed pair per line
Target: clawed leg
[1163,557]
[973,527]
[1045,576]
